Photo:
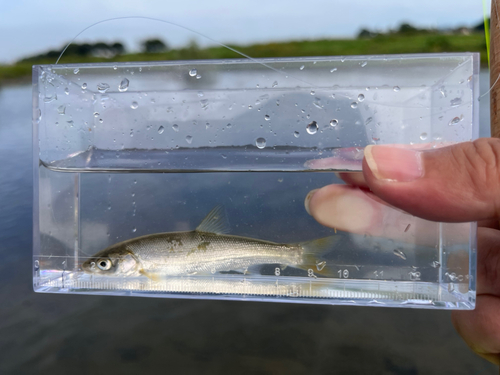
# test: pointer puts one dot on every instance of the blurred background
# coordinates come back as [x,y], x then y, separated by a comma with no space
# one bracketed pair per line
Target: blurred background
[60,334]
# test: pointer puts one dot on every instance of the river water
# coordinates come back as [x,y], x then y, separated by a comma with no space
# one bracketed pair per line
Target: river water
[61,334]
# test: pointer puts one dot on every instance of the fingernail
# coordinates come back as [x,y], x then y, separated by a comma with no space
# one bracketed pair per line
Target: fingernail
[308,199]
[394,163]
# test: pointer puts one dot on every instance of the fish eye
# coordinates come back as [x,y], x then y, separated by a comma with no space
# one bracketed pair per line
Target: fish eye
[104,264]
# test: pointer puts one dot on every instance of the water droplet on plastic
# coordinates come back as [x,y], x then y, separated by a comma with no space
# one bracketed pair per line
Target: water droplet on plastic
[423,136]
[200,94]
[189,139]
[115,67]
[161,129]
[334,122]
[61,109]
[436,264]
[333,70]
[123,85]
[275,83]
[368,120]
[76,71]
[312,127]
[134,230]
[193,72]
[396,88]
[302,67]
[400,254]
[454,121]
[364,63]
[354,105]
[361,97]
[198,76]
[456,102]
[175,127]
[296,134]
[66,91]
[260,142]
[102,87]
[131,132]
[312,92]
[84,86]
[267,117]
[134,105]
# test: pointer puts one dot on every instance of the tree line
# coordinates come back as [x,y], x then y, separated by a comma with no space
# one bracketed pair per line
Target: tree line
[408,29]
[100,49]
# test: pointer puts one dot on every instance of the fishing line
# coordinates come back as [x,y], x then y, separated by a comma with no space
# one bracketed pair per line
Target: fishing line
[185,28]
[486,30]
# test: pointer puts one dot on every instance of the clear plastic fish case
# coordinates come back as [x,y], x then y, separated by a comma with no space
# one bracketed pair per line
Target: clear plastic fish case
[187,179]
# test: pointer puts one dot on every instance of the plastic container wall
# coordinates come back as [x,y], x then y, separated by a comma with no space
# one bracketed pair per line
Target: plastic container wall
[133,149]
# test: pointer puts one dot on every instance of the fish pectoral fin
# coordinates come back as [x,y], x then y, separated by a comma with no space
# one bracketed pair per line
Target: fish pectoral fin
[215,222]
[150,276]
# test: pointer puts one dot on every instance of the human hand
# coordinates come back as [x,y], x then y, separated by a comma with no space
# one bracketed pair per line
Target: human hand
[458,183]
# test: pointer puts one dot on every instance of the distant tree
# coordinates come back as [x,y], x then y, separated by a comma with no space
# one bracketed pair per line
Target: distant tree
[406,28]
[154,46]
[118,48]
[480,26]
[78,49]
[101,49]
[365,34]
[84,49]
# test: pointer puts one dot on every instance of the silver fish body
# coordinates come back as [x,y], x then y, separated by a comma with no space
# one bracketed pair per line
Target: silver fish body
[206,250]
[187,253]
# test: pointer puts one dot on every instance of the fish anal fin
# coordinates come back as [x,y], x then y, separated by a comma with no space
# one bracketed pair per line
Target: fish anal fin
[215,222]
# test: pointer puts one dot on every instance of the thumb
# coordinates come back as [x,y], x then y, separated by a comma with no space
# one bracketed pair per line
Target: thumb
[451,184]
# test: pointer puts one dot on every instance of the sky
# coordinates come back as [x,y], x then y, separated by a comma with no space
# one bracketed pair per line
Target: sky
[30,27]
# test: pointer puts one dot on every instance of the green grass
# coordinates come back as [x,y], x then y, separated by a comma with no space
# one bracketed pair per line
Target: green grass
[383,44]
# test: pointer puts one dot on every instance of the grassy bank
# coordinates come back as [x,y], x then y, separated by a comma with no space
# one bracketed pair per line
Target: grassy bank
[383,44]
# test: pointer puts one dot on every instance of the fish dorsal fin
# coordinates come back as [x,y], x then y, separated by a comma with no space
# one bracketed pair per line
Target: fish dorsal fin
[215,222]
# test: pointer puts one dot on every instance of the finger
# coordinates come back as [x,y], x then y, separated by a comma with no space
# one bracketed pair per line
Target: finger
[480,328]
[490,223]
[488,262]
[353,178]
[359,211]
[345,158]
[453,184]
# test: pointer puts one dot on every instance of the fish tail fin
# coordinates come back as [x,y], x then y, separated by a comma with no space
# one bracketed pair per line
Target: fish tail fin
[312,257]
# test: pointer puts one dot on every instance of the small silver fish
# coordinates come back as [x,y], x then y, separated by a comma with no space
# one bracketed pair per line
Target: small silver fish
[206,250]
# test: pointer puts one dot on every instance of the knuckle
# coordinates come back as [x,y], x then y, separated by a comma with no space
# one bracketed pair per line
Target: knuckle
[479,161]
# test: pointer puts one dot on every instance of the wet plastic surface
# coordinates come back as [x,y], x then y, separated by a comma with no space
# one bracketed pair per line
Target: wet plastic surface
[130,150]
